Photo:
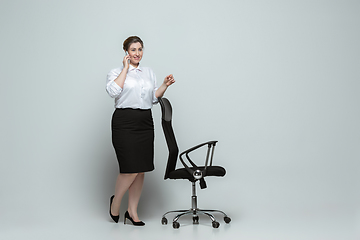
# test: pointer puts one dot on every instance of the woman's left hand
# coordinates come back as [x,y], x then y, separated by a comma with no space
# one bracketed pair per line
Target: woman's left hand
[169,80]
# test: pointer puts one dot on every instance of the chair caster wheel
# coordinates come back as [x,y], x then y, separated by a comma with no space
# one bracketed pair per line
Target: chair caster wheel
[215,224]
[227,219]
[196,220]
[164,221]
[176,225]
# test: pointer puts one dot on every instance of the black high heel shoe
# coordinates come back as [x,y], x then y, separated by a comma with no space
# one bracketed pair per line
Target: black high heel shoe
[127,216]
[115,218]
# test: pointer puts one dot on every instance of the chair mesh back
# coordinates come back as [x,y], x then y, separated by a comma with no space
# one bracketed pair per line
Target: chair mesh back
[169,136]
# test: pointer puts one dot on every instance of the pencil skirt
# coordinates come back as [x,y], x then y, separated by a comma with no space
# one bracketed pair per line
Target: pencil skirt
[133,139]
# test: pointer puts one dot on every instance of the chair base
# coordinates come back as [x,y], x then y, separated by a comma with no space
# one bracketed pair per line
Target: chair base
[195,212]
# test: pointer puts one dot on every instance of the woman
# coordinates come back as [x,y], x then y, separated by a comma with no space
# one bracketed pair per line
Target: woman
[134,89]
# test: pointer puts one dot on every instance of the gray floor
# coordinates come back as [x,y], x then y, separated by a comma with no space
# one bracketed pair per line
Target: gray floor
[252,224]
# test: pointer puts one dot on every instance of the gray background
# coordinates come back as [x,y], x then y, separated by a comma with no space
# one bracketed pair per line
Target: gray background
[275,82]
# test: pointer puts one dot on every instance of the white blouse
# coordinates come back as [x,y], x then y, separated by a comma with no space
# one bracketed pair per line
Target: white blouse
[138,91]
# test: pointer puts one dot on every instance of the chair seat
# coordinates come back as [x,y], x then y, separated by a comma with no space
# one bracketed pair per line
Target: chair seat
[182,173]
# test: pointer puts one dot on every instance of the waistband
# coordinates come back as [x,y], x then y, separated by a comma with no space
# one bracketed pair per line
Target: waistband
[132,109]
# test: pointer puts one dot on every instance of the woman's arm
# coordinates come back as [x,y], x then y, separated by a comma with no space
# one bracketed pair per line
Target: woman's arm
[167,82]
[120,80]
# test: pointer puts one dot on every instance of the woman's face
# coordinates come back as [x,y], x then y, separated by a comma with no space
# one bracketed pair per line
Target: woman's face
[136,52]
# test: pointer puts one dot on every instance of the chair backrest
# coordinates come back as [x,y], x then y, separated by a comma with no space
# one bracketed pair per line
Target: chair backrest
[166,110]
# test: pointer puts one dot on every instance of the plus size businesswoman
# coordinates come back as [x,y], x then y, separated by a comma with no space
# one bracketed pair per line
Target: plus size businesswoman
[135,91]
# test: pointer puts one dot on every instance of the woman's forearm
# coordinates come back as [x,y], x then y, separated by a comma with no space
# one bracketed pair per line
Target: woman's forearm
[161,90]
[120,80]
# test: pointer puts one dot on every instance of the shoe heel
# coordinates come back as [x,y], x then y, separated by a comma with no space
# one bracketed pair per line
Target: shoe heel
[127,216]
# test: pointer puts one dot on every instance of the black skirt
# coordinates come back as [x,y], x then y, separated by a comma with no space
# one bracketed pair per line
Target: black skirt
[133,139]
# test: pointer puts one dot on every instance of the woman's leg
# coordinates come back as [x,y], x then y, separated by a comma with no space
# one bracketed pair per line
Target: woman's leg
[134,196]
[123,182]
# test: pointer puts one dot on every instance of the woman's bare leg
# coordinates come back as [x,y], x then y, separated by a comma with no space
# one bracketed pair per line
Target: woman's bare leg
[134,196]
[123,182]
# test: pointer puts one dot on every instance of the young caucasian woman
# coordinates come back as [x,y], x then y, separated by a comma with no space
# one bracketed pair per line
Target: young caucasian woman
[135,91]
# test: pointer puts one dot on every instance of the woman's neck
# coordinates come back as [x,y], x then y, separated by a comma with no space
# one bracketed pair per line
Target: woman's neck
[135,66]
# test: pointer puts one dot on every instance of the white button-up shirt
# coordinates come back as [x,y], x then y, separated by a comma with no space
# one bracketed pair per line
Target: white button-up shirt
[138,91]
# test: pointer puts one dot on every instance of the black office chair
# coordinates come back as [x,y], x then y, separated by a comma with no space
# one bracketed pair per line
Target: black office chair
[193,174]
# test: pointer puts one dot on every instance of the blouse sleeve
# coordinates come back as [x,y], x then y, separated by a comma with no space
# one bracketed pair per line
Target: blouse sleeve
[155,100]
[112,88]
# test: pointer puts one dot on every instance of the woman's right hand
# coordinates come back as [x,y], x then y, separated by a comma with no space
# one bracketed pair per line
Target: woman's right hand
[126,61]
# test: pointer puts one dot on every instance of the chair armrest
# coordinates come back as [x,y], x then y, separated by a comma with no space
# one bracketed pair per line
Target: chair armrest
[200,145]
[197,173]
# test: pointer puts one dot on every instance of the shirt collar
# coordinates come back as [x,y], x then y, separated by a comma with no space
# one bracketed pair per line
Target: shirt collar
[131,68]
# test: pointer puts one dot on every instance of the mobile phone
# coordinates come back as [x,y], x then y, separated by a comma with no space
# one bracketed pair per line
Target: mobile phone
[126,52]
